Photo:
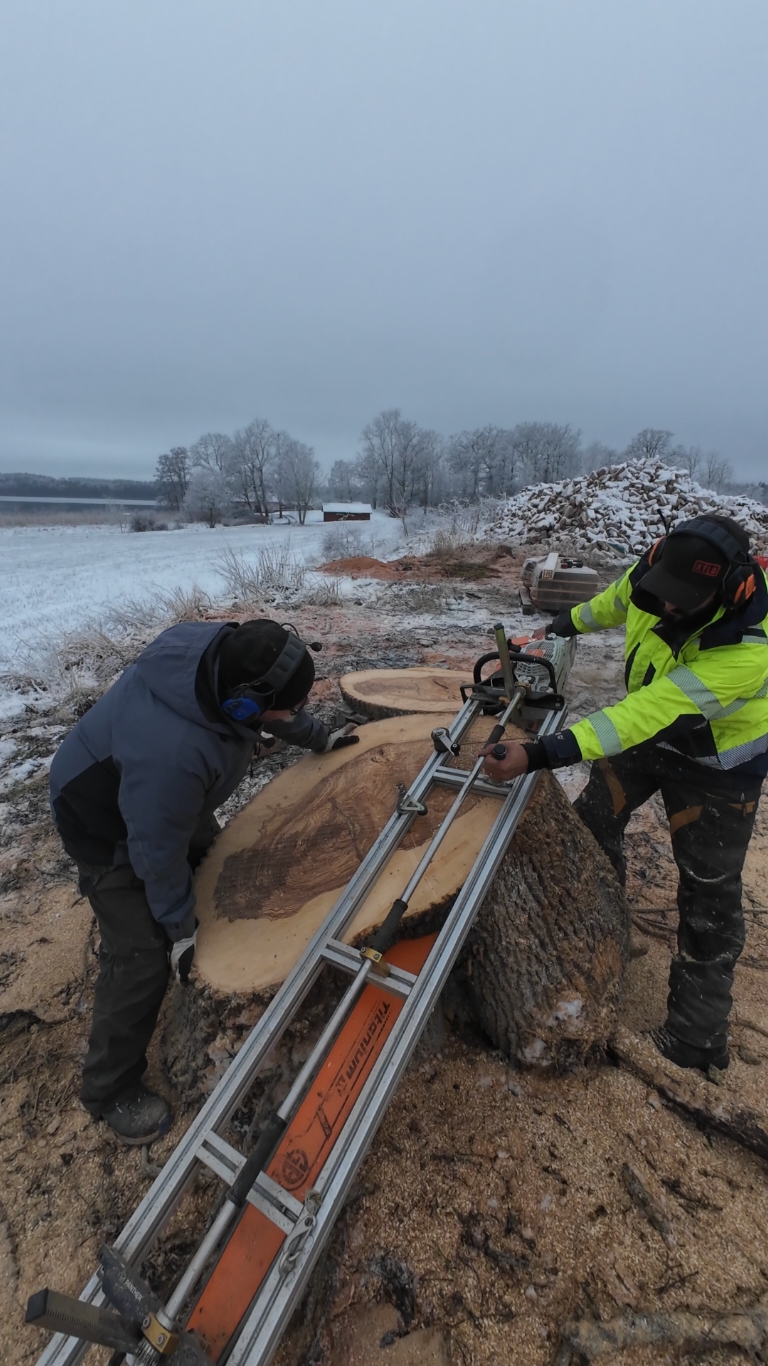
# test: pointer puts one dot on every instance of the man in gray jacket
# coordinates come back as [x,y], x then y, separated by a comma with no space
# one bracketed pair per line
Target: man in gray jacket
[134,788]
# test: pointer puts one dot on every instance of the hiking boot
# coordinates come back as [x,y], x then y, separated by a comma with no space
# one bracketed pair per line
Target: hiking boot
[686,1055]
[139,1116]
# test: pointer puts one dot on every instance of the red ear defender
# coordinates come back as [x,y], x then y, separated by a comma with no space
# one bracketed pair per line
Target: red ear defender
[656,546]
[744,590]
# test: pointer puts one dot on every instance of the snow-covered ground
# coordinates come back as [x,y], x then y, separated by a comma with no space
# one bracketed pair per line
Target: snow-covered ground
[57,579]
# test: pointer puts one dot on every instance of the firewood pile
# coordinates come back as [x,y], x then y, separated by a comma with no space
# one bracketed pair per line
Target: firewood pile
[618,510]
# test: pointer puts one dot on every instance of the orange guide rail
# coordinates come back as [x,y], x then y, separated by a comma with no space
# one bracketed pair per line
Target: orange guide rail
[256,1241]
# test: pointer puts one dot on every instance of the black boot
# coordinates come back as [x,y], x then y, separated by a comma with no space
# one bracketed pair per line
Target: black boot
[686,1055]
[139,1116]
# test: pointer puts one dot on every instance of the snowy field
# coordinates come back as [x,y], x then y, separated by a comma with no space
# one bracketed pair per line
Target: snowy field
[58,579]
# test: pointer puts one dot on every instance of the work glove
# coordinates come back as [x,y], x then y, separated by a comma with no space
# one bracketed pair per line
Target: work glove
[338,739]
[182,955]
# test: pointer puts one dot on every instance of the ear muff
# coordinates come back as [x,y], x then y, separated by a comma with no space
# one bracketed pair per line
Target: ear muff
[743,586]
[656,549]
[251,699]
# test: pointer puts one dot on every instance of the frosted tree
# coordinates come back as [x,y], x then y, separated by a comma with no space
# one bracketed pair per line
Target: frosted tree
[301,473]
[597,456]
[652,443]
[483,461]
[546,451]
[391,446]
[252,457]
[208,497]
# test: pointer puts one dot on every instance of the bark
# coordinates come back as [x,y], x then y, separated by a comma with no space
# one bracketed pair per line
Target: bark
[380,693]
[545,957]
[700,1328]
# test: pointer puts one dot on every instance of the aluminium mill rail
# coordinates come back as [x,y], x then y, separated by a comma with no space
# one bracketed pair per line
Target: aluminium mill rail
[307,1225]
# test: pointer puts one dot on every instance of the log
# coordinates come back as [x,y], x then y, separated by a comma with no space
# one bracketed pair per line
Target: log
[545,958]
[380,693]
[546,955]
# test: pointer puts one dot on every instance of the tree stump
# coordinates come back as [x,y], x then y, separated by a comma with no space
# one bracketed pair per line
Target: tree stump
[379,693]
[543,965]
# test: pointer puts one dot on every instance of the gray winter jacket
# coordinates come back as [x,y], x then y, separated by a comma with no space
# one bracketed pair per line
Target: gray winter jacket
[151,761]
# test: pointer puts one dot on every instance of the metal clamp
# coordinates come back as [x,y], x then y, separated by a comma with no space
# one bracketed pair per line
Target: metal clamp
[301,1235]
[377,961]
[441,739]
[407,805]
[162,1338]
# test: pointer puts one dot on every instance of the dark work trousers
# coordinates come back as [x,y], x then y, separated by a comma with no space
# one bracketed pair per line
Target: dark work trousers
[711,817]
[133,976]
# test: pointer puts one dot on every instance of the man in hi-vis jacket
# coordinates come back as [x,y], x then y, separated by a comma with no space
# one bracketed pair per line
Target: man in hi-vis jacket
[694,726]
[134,788]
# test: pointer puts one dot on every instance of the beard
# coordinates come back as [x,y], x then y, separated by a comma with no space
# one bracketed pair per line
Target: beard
[692,620]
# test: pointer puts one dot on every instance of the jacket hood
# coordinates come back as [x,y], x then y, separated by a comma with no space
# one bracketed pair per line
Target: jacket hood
[169,667]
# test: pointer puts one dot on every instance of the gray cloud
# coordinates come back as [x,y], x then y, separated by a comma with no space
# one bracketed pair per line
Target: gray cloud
[493,211]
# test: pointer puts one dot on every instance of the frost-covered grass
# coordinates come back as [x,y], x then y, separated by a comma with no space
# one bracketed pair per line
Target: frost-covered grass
[61,579]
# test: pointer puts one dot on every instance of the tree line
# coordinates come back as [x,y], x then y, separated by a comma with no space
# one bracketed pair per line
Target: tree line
[250,472]
[400,465]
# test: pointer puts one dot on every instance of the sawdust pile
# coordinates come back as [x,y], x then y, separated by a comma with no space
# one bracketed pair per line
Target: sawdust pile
[620,509]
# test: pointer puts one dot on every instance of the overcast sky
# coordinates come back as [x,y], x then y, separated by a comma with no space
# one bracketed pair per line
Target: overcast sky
[474,210]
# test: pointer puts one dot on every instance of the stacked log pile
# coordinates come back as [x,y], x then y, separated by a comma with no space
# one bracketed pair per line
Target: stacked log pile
[618,510]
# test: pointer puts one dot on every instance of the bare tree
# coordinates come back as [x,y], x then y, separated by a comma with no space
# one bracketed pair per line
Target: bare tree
[688,458]
[717,472]
[483,460]
[173,476]
[650,444]
[368,473]
[392,444]
[253,450]
[213,451]
[208,497]
[596,456]
[547,451]
[302,472]
[427,467]
[344,482]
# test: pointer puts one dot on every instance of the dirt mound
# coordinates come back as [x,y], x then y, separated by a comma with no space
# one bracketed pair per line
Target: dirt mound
[359,567]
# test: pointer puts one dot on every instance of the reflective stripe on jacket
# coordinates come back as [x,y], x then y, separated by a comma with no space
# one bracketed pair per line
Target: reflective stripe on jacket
[705,694]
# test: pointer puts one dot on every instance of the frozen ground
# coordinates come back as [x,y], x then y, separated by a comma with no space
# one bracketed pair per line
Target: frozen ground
[57,579]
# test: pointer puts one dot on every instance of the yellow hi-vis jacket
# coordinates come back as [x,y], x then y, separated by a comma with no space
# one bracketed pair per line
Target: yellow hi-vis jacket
[705,694]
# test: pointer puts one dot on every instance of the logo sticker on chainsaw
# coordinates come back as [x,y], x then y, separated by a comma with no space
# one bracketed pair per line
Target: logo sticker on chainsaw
[705,567]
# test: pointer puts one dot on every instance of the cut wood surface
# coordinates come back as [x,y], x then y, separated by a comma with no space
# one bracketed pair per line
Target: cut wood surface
[278,867]
[546,953]
[379,693]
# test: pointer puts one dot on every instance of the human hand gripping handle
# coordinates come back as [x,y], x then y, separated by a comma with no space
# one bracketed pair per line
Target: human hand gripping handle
[504,762]
[182,955]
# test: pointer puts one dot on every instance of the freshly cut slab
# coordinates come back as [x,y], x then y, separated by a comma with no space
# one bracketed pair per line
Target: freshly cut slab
[379,693]
[281,863]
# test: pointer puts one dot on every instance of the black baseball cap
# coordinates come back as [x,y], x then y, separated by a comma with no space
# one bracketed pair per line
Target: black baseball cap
[689,570]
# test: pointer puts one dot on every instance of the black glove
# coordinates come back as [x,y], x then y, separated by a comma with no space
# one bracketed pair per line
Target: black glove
[338,739]
[182,955]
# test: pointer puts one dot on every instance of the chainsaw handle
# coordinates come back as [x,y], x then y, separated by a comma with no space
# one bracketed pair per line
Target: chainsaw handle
[484,659]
